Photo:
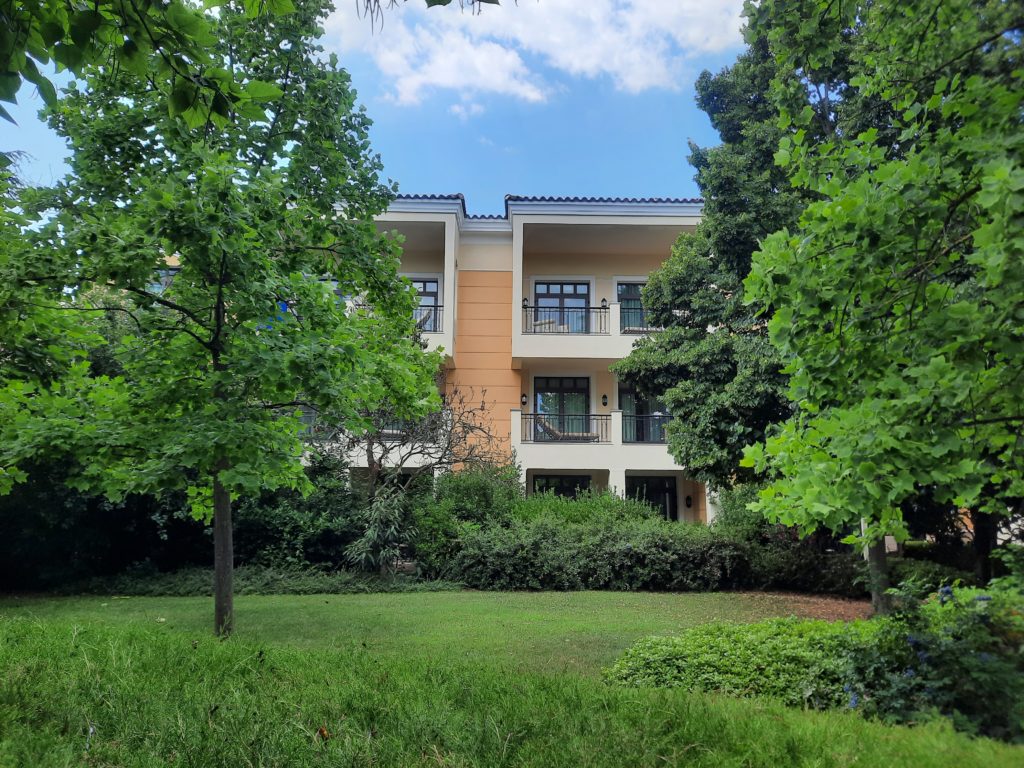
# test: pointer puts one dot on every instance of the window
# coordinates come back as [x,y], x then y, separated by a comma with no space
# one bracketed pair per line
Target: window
[563,306]
[428,313]
[643,418]
[568,486]
[631,308]
[659,492]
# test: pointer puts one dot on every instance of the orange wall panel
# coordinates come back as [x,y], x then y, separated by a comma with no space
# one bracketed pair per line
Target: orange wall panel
[472,278]
[483,340]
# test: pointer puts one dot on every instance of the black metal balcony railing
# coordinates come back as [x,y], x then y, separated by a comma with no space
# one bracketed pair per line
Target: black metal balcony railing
[429,318]
[644,429]
[566,428]
[578,320]
[635,320]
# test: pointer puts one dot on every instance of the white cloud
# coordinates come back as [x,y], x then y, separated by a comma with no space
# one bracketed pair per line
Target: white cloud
[466,110]
[637,44]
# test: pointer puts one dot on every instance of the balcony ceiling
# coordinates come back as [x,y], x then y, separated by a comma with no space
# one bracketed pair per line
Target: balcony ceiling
[591,239]
[420,236]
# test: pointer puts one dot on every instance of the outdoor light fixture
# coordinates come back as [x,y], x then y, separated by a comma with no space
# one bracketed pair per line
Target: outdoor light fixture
[604,400]
[522,400]
[689,501]
[526,303]
[604,303]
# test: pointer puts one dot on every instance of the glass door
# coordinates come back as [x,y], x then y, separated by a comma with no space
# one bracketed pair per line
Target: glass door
[643,418]
[659,492]
[631,309]
[561,405]
[427,316]
[562,307]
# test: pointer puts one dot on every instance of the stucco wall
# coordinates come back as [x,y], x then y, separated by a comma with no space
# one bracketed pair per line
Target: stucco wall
[483,343]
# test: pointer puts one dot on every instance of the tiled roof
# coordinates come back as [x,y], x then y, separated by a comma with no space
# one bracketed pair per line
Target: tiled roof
[551,199]
[546,199]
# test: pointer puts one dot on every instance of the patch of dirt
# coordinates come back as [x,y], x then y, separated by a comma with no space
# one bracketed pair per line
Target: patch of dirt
[818,606]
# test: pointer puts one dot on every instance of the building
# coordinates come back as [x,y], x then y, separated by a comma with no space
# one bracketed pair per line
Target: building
[534,306]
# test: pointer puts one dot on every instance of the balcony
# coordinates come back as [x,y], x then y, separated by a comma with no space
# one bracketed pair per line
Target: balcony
[574,320]
[587,441]
[566,428]
[429,319]
[596,333]
[644,428]
[633,321]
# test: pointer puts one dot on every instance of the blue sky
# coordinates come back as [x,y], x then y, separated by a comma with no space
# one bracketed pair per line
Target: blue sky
[547,97]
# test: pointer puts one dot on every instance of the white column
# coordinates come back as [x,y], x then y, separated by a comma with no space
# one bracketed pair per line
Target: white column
[516,440]
[616,428]
[617,481]
[710,504]
[615,319]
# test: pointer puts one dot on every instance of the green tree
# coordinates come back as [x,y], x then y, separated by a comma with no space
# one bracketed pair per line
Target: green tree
[713,364]
[169,43]
[228,251]
[898,297]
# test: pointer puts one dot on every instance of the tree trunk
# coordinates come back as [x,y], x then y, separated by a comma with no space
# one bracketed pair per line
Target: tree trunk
[985,539]
[223,559]
[878,578]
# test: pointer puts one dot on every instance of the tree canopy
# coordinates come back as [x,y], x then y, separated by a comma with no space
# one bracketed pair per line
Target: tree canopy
[898,298]
[712,364]
[229,252]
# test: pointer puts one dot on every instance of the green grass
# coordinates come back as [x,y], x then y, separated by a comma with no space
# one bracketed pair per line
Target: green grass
[454,679]
[579,632]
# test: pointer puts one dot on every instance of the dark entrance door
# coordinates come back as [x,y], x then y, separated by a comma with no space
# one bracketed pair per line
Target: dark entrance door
[659,492]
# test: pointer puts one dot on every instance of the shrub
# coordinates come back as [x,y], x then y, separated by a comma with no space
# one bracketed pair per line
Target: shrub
[625,554]
[923,577]
[285,529]
[386,532]
[786,659]
[461,502]
[588,507]
[957,655]
[250,580]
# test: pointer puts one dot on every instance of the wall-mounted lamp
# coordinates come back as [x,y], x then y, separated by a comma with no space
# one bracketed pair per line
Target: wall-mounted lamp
[689,501]
[604,303]
[604,400]
[522,400]
[526,303]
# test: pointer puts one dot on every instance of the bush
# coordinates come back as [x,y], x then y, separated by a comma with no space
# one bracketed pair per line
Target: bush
[923,577]
[955,656]
[786,659]
[619,554]
[145,581]
[461,502]
[283,529]
[588,507]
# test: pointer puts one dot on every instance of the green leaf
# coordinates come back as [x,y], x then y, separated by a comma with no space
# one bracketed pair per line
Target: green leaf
[260,90]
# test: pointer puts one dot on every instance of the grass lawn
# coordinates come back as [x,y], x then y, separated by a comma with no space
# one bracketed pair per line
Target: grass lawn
[457,679]
[579,632]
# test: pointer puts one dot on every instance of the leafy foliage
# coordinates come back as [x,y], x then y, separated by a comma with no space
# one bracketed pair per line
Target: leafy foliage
[610,552]
[712,364]
[387,531]
[222,356]
[957,656]
[794,661]
[898,297]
